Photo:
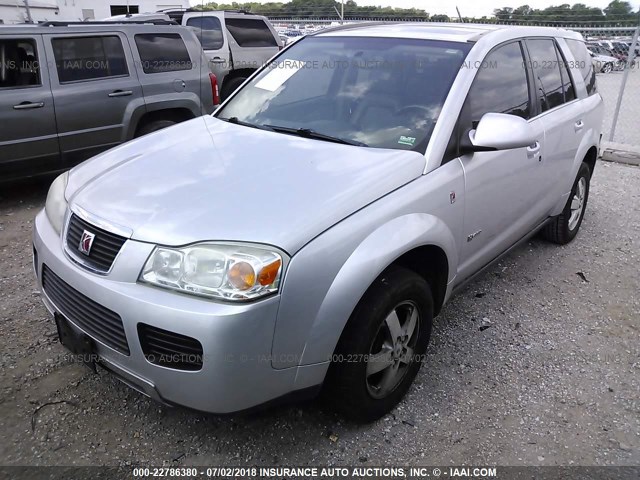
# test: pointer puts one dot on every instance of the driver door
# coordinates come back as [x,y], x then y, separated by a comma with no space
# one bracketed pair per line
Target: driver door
[503,189]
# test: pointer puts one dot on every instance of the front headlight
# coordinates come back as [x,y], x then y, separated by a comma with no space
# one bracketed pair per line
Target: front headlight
[56,205]
[225,271]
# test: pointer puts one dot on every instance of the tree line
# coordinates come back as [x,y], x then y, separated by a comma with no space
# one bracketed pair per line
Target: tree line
[618,12]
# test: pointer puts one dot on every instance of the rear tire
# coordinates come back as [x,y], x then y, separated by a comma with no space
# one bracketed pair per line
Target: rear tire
[564,228]
[154,127]
[231,86]
[382,347]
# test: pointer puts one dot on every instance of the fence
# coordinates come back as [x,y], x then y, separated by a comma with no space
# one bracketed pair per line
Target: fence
[618,78]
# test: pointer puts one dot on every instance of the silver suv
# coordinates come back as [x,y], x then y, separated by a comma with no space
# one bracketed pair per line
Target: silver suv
[69,92]
[306,234]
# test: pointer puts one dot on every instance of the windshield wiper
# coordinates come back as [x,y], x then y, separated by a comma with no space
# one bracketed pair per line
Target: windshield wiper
[237,121]
[308,133]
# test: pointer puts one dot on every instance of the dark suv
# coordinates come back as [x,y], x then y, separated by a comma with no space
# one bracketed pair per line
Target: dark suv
[69,92]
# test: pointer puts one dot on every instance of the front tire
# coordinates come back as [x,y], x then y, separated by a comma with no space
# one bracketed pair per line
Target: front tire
[564,228]
[382,347]
[608,68]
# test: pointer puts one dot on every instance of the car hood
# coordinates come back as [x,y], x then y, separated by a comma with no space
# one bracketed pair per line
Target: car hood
[206,179]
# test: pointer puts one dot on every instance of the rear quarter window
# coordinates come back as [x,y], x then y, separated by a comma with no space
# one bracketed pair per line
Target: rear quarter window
[209,31]
[583,64]
[249,32]
[162,52]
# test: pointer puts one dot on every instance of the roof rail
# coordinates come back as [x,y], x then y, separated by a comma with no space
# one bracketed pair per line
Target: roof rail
[174,9]
[104,22]
[194,10]
[352,26]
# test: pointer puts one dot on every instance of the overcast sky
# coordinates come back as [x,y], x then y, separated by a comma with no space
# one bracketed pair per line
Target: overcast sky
[468,8]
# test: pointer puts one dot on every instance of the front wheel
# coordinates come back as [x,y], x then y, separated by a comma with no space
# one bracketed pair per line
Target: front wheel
[608,67]
[563,228]
[382,347]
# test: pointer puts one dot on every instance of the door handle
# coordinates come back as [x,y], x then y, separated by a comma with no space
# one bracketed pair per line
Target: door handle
[121,93]
[217,60]
[28,105]
[579,125]
[533,150]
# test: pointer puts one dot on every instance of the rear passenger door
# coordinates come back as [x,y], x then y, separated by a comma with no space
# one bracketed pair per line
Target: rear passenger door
[209,28]
[254,41]
[95,88]
[560,111]
[28,137]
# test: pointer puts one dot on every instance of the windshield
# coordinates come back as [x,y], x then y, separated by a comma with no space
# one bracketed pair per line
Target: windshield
[378,92]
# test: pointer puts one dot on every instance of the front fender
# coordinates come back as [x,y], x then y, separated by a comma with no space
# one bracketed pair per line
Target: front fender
[314,311]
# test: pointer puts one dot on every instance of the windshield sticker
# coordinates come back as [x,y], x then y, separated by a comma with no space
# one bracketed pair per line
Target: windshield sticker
[279,74]
[406,140]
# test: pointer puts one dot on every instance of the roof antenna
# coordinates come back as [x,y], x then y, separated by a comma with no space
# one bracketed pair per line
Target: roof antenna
[459,16]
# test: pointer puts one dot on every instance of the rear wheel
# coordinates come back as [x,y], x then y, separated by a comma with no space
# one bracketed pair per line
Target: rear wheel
[563,228]
[381,348]
[154,127]
[231,86]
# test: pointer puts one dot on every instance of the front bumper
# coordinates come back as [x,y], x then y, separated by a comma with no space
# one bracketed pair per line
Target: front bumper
[236,339]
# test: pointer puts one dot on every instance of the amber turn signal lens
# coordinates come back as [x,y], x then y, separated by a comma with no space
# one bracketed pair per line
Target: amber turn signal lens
[242,276]
[269,273]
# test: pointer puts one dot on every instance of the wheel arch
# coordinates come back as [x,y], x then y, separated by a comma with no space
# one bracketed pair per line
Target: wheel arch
[586,153]
[174,114]
[420,242]
[232,75]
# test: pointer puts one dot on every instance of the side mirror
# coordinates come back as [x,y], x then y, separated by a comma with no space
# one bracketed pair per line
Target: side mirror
[498,131]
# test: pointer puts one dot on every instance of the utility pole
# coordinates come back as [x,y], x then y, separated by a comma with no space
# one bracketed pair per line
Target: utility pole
[342,12]
[26,4]
[459,16]
[625,76]
[339,15]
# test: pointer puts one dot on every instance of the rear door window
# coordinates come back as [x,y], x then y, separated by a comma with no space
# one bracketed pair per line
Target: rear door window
[546,70]
[582,62]
[209,31]
[20,66]
[567,84]
[89,58]
[162,52]
[249,32]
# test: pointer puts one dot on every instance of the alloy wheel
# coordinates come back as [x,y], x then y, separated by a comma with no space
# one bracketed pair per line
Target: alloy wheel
[577,203]
[392,349]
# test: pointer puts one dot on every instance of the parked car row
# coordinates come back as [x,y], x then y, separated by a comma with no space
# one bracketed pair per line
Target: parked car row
[603,60]
[72,90]
[237,43]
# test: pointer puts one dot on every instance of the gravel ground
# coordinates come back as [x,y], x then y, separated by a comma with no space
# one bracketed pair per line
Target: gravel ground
[536,363]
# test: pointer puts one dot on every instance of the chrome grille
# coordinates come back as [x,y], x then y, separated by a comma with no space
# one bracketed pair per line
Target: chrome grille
[105,247]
